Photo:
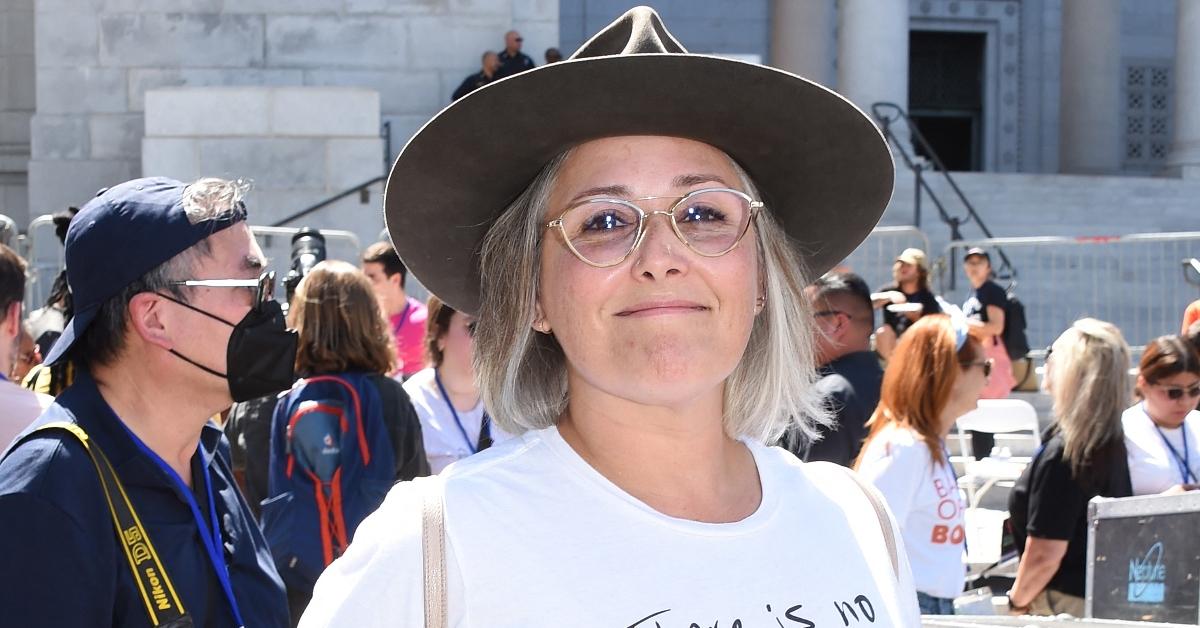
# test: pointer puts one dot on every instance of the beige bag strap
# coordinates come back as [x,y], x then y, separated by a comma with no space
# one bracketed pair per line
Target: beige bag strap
[885,522]
[433,551]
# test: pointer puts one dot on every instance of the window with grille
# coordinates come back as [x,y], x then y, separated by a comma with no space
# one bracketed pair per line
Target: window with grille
[1147,114]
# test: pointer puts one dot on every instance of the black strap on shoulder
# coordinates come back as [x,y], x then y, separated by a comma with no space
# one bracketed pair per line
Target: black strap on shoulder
[162,602]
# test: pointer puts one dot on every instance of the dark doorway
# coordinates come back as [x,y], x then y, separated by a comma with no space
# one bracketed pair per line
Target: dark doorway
[945,95]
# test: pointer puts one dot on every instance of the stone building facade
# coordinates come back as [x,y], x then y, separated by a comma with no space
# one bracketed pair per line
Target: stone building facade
[1097,87]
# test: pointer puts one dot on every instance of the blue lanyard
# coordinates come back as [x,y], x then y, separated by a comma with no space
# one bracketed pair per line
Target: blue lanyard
[1185,471]
[403,319]
[211,536]
[454,413]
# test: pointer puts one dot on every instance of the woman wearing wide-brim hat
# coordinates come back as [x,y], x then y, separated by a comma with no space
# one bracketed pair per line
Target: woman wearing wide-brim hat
[634,238]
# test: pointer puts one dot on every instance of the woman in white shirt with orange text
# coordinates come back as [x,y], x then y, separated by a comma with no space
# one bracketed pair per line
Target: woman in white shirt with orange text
[934,376]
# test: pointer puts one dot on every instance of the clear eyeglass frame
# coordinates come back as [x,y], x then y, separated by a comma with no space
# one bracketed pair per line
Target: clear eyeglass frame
[643,216]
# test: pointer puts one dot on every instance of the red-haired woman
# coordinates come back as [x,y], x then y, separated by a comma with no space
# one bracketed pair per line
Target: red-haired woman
[934,376]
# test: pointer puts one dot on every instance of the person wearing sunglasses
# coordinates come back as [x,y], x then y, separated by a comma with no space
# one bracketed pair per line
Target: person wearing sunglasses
[935,375]
[123,486]
[634,242]
[1082,456]
[1162,431]
[512,60]
[849,370]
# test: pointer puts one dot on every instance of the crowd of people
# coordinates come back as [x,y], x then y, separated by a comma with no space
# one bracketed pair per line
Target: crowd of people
[585,411]
[896,403]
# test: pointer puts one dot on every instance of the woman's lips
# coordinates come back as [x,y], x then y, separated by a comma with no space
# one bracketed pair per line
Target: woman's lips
[661,308]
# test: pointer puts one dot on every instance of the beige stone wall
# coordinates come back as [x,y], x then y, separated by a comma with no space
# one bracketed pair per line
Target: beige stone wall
[96,60]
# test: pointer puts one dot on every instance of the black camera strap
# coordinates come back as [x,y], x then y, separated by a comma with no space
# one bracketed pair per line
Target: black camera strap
[158,594]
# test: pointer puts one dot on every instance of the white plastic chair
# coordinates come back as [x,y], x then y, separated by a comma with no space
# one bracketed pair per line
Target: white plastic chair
[996,416]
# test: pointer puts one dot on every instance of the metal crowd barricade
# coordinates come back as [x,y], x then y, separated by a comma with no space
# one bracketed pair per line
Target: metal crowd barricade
[44,255]
[276,243]
[8,231]
[873,259]
[1132,281]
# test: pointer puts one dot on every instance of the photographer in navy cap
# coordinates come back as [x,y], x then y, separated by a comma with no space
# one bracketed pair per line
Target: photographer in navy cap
[118,503]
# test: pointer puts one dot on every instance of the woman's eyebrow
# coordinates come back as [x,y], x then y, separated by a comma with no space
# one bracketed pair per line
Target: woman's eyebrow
[618,191]
[688,180]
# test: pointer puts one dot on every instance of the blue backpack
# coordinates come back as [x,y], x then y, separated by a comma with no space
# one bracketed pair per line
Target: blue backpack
[331,465]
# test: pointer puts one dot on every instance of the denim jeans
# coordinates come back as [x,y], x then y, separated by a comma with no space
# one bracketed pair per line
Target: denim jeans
[935,605]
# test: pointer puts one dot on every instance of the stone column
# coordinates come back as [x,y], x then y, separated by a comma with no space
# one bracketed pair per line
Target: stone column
[1090,107]
[1185,146]
[802,38]
[872,56]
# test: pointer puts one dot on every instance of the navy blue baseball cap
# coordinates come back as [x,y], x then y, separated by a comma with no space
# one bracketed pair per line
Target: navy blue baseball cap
[125,232]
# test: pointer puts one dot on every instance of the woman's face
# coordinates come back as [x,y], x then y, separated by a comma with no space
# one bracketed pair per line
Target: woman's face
[978,269]
[969,384]
[666,324]
[457,342]
[1166,411]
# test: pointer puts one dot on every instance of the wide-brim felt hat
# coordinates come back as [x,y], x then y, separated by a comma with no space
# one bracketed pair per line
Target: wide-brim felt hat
[822,168]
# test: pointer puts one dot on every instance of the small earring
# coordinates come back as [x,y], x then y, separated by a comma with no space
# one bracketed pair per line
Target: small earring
[541,327]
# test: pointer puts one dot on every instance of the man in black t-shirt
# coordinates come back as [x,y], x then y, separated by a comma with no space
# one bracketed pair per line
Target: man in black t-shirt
[512,60]
[850,372]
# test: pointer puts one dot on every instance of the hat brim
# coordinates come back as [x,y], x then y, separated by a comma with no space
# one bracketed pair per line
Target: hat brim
[822,167]
[72,331]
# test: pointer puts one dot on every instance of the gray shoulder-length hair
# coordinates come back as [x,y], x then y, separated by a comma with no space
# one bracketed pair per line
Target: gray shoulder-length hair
[522,373]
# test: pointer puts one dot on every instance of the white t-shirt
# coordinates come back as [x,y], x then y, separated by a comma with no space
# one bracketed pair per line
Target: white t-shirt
[18,408]
[926,501]
[444,441]
[1152,467]
[537,537]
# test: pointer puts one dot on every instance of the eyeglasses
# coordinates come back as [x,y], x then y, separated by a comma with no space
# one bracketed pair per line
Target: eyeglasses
[603,232]
[824,313]
[264,286]
[1175,393]
[986,364]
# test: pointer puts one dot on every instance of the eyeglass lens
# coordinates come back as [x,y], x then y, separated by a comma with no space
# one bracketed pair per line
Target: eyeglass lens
[605,231]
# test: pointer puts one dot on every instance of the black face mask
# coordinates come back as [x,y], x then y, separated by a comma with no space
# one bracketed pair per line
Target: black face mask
[261,356]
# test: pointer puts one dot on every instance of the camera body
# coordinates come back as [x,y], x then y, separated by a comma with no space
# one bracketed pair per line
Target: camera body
[308,250]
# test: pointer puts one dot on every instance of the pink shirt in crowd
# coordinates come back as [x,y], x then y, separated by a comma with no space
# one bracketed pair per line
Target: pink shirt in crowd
[408,328]
[20,408]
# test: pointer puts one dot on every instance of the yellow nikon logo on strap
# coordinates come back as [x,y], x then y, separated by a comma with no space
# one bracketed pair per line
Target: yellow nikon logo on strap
[137,547]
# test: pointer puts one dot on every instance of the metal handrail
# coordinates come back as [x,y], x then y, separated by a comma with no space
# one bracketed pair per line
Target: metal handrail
[887,113]
[360,189]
